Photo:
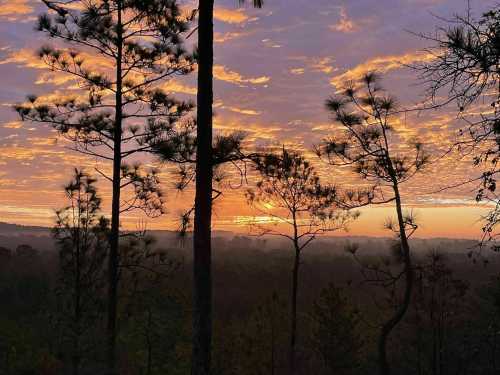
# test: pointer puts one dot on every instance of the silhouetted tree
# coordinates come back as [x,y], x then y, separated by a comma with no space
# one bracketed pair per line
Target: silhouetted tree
[368,143]
[465,70]
[182,149]
[256,346]
[290,192]
[147,313]
[227,152]
[81,234]
[335,335]
[123,109]
[202,248]
[153,331]
[26,251]
[5,255]
[490,306]
[438,307]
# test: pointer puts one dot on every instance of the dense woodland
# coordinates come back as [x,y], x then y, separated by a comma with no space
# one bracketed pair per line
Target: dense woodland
[451,327]
[290,298]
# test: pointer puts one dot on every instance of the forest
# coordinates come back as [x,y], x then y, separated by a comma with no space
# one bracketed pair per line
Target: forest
[293,293]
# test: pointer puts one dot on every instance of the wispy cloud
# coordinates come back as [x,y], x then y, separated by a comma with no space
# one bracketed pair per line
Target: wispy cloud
[381,64]
[224,74]
[226,37]
[13,125]
[297,71]
[322,64]
[242,111]
[344,24]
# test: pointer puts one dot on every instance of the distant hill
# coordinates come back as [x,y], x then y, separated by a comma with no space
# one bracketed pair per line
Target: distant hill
[13,235]
[7,229]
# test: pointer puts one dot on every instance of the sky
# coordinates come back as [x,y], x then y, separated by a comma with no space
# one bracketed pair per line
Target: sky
[274,68]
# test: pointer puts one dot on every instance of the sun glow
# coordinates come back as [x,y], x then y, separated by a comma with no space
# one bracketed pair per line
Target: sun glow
[255,220]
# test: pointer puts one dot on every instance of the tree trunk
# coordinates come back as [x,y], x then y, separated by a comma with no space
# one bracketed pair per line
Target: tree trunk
[115,210]
[273,344]
[433,325]
[389,326]
[77,312]
[293,329]
[149,345]
[202,252]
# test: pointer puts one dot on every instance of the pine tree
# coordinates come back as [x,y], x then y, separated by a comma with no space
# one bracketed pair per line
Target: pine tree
[368,145]
[464,70]
[202,246]
[81,233]
[134,47]
[335,335]
[290,192]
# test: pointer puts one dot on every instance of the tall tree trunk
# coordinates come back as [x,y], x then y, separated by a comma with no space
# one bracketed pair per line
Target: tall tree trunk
[389,326]
[115,209]
[202,251]
[273,344]
[434,339]
[77,312]
[149,345]
[295,282]
[293,329]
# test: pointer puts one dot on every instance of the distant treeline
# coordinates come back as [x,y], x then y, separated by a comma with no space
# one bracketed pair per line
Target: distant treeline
[453,320]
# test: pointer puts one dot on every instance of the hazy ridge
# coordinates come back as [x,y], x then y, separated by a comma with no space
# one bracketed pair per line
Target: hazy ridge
[13,235]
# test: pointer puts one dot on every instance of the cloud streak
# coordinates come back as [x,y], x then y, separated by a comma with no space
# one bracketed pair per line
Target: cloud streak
[224,74]
[380,64]
[16,10]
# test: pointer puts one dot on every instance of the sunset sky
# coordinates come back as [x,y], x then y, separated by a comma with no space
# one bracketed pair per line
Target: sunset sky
[274,69]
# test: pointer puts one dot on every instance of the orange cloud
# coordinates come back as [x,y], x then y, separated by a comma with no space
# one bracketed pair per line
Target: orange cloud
[178,87]
[322,64]
[14,10]
[58,96]
[54,78]
[223,74]
[25,58]
[314,64]
[225,37]
[382,64]
[255,131]
[39,141]
[230,16]
[13,125]
[15,152]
